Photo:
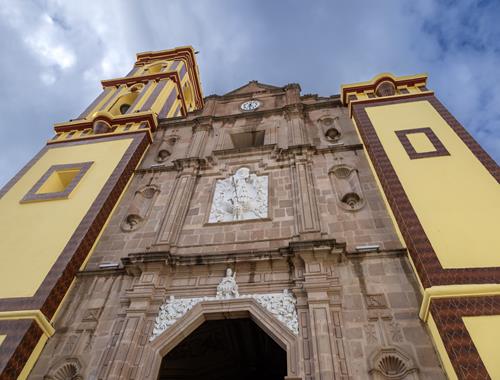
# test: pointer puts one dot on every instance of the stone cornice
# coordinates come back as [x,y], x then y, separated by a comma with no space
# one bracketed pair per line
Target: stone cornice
[173,259]
[178,122]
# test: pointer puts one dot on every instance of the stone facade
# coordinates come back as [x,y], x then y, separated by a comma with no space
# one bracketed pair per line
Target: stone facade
[327,238]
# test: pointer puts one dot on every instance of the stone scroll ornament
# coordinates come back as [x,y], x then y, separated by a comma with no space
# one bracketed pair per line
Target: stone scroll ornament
[280,305]
[242,196]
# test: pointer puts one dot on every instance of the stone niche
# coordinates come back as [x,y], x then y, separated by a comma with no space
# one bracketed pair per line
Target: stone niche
[345,181]
[139,208]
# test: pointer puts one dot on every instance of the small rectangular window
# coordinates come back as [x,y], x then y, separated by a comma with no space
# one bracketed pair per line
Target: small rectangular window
[248,139]
[57,182]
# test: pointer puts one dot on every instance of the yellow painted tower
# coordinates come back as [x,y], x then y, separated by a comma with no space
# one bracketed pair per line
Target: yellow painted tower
[443,191]
[53,210]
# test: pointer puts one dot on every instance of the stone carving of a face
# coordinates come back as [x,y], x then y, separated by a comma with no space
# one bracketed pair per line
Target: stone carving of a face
[242,196]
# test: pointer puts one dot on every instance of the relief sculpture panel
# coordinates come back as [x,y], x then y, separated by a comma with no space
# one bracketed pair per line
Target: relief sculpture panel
[242,196]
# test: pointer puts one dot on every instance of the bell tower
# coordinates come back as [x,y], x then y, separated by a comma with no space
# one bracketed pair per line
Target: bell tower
[442,190]
[53,211]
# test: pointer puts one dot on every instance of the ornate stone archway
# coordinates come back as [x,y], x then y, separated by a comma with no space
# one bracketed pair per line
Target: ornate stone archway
[224,309]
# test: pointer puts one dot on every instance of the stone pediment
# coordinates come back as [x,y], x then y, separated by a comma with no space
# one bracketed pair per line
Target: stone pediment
[251,87]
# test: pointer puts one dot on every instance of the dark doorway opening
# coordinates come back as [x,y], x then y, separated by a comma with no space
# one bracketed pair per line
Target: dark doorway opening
[225,350]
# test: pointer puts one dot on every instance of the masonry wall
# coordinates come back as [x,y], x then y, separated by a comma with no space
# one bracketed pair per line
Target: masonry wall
[354,309]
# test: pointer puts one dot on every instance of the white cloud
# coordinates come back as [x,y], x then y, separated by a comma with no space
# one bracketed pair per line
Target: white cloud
[62,49]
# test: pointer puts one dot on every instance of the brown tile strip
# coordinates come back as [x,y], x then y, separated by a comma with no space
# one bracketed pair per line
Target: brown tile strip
[141,95]
[96,101]
[448,313]
[439,149]
[32,195]
[428,267]
[168,104]
[22,337]
[54,287]
[154,95]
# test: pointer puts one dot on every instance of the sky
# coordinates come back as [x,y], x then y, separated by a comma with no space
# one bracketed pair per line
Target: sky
[55,52]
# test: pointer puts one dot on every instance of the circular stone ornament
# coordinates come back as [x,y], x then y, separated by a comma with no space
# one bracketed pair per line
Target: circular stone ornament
[251,105]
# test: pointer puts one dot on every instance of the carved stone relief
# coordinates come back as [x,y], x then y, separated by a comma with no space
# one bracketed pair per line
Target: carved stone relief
[280,305]
[346,183]
[243,196]
[68,369]
[392,363]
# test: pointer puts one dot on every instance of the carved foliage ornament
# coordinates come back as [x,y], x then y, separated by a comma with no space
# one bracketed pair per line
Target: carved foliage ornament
[280,305]
[243,196]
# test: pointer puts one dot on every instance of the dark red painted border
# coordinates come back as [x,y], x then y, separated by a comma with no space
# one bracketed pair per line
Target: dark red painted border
[439,149]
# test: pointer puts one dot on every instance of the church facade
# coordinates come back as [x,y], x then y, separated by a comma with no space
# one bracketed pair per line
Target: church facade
[259,234]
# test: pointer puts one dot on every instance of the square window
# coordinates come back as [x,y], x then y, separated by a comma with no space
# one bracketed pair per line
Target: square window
[421,143]
[57,182]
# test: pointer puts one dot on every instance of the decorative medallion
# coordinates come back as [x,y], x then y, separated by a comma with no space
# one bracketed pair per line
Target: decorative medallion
[251,105]
[243,196]
[280,305]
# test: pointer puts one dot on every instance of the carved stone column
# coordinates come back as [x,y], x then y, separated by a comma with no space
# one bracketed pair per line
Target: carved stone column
[316,320]
[199,140]
[297,134]
[304,195]
[128,345]
[178,203]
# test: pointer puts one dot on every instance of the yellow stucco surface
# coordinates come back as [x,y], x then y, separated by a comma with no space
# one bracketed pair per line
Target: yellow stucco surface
[34,234]
[485,333]
[421,142]
[456,199]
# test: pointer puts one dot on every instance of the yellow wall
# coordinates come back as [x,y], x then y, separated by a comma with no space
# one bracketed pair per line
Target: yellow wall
[456,199]
[34,234]
[485,333]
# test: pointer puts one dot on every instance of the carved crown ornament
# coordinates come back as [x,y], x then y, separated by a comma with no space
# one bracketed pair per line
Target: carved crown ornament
[280,305]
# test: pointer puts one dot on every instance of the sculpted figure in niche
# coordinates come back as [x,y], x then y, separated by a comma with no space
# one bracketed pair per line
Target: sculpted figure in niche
[242,196]
[228,288]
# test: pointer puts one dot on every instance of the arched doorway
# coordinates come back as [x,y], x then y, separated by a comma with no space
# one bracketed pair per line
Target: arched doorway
[224,311]
[225,350]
